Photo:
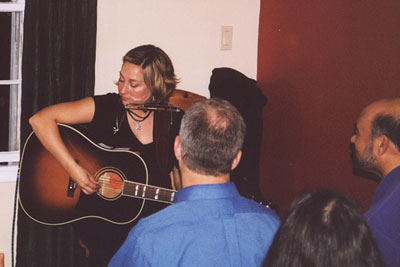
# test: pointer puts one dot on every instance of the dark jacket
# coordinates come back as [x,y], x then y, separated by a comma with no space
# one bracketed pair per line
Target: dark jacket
[246,96]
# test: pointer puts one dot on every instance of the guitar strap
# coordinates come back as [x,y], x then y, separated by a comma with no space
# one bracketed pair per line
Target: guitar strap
[165,130]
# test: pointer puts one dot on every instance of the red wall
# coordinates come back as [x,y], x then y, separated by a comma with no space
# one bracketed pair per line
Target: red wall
[319,64]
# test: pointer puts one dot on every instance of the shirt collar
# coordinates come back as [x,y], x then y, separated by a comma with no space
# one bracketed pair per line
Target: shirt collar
[207,191]
[387,185]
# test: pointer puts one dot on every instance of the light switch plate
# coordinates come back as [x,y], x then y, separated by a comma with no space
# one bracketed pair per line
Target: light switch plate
[226,37]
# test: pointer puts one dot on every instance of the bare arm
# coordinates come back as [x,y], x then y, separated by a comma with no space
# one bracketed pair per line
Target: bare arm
[44,124]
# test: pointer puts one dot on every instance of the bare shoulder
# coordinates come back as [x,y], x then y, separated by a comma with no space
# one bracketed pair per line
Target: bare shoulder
[74,112]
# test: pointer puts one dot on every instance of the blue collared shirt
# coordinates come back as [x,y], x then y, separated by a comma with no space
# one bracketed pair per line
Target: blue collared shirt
[383,217]
[209,225]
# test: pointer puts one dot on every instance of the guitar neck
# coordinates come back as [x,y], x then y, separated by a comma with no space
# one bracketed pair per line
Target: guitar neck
[150,192]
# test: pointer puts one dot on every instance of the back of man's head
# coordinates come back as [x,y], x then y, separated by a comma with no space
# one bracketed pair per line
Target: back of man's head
[388,125]
[385,119]
[212,133]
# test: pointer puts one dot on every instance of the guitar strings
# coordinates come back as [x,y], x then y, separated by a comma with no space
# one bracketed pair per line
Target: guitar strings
[120,182]
[165,193]
[149,194]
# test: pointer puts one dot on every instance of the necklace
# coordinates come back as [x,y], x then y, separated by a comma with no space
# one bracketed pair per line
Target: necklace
[132,114]
[118,123]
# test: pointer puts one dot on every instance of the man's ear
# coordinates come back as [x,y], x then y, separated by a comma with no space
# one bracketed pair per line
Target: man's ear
[178,148]
[236,160]
[381,143]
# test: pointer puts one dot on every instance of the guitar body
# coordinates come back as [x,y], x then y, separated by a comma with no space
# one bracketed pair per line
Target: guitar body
[48,195]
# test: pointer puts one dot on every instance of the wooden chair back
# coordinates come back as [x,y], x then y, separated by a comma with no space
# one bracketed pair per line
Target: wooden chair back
[184,99]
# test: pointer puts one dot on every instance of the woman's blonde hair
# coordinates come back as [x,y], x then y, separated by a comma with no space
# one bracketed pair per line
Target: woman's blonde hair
[158,71]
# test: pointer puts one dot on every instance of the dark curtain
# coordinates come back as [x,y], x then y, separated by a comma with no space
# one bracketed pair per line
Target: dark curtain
[57,66]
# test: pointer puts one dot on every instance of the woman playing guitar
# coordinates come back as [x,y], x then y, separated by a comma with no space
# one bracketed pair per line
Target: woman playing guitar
[146,79]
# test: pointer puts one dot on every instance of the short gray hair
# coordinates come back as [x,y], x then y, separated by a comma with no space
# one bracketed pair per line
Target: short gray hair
[212,133]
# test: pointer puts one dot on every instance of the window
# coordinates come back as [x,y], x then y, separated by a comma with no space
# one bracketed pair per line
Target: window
[11,29]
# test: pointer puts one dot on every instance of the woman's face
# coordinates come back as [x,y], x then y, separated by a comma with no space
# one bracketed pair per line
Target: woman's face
[131,86]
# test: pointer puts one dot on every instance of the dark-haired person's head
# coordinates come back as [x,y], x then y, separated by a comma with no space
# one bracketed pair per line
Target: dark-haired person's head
[324,228]
[211,135]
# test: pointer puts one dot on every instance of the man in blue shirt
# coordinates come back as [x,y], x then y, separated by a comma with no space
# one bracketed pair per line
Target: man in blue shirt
[209,224]
[376,142]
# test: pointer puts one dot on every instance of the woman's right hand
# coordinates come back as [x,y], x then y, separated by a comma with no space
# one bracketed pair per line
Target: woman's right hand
[44,124]
[84,180]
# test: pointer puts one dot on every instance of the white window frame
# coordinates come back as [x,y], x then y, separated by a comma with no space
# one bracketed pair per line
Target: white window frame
[8,173]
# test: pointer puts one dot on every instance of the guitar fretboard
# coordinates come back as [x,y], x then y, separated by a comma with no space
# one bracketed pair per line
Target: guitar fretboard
[148,192]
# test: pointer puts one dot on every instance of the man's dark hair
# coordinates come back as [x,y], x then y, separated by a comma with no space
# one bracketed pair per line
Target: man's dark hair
[212,133]
[388,125]
[324,228]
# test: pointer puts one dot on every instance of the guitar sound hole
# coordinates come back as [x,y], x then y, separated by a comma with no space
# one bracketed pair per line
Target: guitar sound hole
[110,184]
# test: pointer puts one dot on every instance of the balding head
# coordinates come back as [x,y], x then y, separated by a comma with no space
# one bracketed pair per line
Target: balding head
[376,137]
[384,117]
[212,133]
[388,106]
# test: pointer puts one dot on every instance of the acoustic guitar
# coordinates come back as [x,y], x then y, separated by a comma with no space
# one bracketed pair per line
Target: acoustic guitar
[49,196]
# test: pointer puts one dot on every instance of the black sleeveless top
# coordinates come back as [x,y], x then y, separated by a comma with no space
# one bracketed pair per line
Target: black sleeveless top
[110,129]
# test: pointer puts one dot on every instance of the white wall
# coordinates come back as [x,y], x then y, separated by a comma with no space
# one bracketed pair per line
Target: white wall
[188,31]
[7,193]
